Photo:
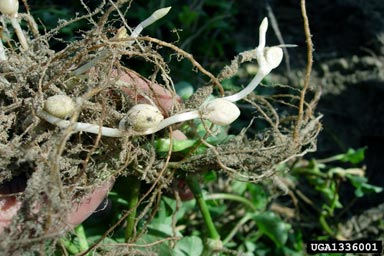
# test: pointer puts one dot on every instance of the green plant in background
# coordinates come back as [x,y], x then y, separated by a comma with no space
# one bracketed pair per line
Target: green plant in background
[327,176]
[203,28]
[239,219]
[236,220]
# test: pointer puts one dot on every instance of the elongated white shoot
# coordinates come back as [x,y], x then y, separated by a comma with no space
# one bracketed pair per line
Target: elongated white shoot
[135,33]
[3,55]
[268,58]
[158,14]
[79,126]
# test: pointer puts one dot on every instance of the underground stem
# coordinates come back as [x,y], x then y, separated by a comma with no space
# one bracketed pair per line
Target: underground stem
[19,33]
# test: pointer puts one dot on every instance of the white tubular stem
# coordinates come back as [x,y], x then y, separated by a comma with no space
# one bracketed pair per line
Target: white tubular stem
[158,14]
[247,90]
[19,33]
[262,32]
[267,58]
[151,19]
[178,118]
[3,55]
[80,127]
[263,71]
[87,66]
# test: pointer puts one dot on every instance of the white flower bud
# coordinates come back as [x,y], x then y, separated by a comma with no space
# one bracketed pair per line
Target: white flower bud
[219,111]
[60,106]
[142,117]
[9,7]
[274,56]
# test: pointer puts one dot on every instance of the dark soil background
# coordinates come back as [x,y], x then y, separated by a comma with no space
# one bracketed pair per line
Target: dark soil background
[348,38]
[349,66]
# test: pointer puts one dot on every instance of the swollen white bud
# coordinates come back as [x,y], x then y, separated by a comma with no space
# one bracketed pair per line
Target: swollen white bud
[219,111]
[142,117]
[60,106]
[274,56]
[9,7]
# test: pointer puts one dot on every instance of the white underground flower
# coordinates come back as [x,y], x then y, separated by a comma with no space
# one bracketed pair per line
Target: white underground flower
[60,106]
[268,58]
[273,56]
[219,111]
[141,117]
[9,7]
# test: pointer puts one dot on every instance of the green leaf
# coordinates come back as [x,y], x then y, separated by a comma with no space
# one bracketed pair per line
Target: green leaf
[163,145]
[353,156]
[239,187]
[272,226]
[188,246]
[159,248]
[361,185]
[210,176]
[259,196]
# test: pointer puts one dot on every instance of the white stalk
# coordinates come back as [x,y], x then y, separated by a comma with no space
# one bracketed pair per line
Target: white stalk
[19,33]
[178,118]
[104,53]
[113,132]
[80,127]
[218,111]
[158,14]
[267,58]
[10,8]
[3,55]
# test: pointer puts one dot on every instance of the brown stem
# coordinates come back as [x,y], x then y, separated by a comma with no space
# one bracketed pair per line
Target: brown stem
[307,71]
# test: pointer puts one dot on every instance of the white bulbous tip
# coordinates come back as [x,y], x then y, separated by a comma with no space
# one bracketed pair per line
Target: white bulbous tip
[262,33]
[142,117]
[264,25]
[158,14]
[60,106]
[9,7]
[274,56]
[220,111]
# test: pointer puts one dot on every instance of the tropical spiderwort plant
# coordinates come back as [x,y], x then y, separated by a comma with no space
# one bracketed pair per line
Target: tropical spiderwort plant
[146,119]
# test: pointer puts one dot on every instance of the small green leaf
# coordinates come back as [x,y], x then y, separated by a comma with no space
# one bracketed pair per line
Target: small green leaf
[258,195]
[361,185]
[163,145]
[210,176]
[239,187]
[188,246]
[353,156]
[159,248]
[272,226]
